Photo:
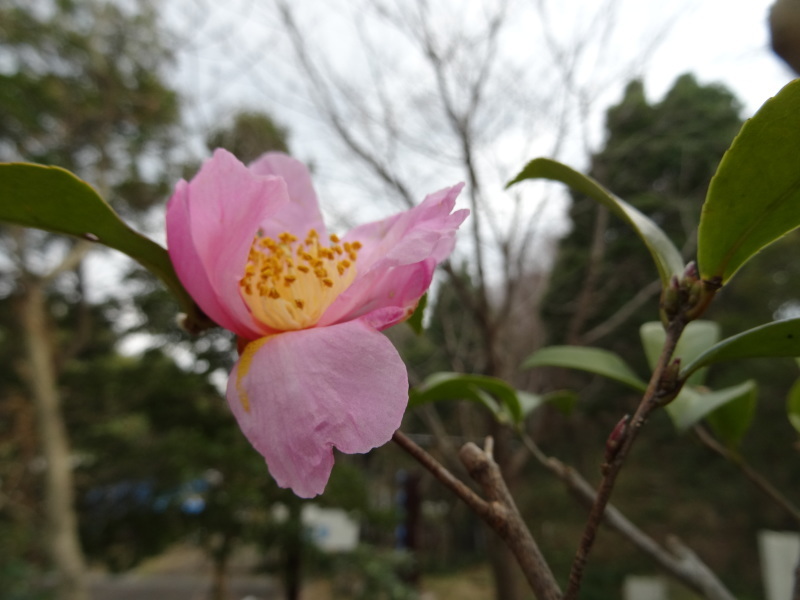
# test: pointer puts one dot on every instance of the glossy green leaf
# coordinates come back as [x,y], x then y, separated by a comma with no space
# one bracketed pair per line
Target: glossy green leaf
[693,405]
[754,198]
[698,337]
[54,199]
[779,338]
[732,419]
[793,405]
[415,320]
[493,393]
[593,360]
[666,256]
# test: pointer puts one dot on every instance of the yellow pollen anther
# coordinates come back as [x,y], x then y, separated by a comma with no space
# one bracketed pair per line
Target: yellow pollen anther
[289,281]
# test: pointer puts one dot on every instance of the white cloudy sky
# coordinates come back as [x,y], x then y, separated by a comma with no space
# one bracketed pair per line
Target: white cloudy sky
[235,54]
[229,51]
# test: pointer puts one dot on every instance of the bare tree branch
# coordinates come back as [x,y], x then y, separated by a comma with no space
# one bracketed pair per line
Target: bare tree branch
[677,560]
[748,471]
[498,510]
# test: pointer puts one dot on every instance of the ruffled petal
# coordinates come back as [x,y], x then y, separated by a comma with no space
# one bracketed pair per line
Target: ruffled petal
[384,296]
[425,231]
[225,204]
[396,261]
[302,213]
[299,394]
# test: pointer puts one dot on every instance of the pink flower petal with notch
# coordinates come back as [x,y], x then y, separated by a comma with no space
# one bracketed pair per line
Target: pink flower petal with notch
[383,287]
[425,231]
[301,213]
[299,394]
[224,206]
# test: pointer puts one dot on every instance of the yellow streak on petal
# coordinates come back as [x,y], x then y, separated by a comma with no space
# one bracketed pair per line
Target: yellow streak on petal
[245,360]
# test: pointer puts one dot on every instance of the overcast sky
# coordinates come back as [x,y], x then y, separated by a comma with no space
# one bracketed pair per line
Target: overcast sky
[229,49]
[234,55]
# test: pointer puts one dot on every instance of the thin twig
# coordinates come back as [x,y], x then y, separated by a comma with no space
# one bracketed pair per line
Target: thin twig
[748,471]
[678,560]
[475,502]
[498,510]
[623,443]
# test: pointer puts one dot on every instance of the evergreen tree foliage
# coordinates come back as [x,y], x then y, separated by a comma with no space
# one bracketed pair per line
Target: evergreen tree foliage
[659,157]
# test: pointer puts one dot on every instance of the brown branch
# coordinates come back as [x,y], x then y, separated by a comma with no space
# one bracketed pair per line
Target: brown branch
[624,437]
[498,510]
[328,108]
[678,560]
[748,471]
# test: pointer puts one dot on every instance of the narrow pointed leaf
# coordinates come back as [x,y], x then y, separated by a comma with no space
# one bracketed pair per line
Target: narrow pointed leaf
[54,199]
[779,338]
[698,337]
[593,360]
[415,320]
[493,393]
[693,405]
[666,256]
[754,198]
[732,419]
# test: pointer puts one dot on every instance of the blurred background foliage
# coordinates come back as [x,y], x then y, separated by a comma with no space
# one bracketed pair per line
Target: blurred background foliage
[155,457]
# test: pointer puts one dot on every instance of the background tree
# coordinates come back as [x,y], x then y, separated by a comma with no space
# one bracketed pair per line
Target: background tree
[440,98]
[660,158]
[83,90]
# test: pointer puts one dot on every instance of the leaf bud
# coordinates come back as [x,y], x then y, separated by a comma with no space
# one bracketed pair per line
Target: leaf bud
[616,438]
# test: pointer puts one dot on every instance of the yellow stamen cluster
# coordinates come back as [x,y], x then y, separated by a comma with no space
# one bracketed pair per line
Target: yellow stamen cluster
[288,283]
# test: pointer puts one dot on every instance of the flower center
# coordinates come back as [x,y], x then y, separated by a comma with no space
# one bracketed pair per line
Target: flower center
[289,283]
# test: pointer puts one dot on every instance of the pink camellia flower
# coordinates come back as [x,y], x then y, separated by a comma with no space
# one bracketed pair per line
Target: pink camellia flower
[314,371]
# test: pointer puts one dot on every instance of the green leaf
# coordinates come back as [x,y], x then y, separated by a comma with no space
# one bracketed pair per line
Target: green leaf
[493,393]
[593,360]
[737,404]
[697,337]
[793,405]
[754,197]
[667,258]
[415,320]
[732,420]
[779,338]
[54,199]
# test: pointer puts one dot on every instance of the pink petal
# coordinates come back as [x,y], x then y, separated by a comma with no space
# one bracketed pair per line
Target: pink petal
[302,213]
[296,395]
[425,231]
[187,263]
[225,204]
[396,262]
[387,294]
